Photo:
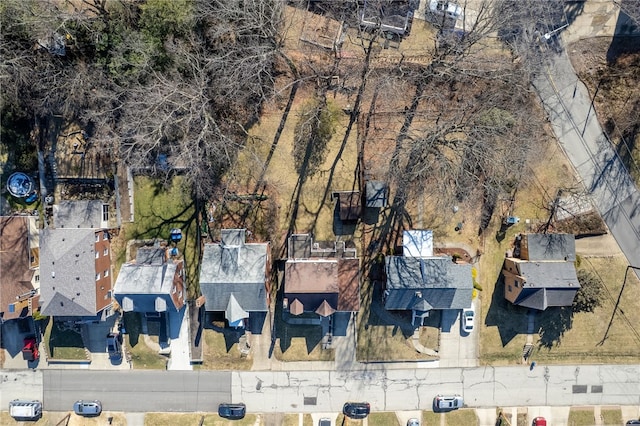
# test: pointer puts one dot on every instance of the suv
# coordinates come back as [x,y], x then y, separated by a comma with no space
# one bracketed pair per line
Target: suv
[30,349]
[87,408]
[25,410]
[468,317]
[232,411]
[113,347]
[447,402]
[356,410]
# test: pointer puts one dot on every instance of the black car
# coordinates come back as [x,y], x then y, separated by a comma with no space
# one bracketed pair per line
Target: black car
[633,422]
[356,410]
[113,347]
[232,411]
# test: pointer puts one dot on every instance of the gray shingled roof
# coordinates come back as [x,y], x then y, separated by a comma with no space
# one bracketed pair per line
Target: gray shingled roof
[145,279]
[441,283]
[238,270]
[547,284]
[551,247]
[78,214]
[67,272]
[542,298]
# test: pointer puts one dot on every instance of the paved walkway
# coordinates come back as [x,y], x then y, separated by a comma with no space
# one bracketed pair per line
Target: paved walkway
[575,124]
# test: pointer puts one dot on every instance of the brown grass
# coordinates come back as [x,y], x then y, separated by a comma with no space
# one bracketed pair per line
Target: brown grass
[217,357]
[581,416]
[172,419]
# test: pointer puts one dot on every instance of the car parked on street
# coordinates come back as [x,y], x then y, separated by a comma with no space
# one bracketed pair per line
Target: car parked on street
[87,408]
[633,422]
[356,410]
[113,347]
[447,402]
[232,411]
[468,319]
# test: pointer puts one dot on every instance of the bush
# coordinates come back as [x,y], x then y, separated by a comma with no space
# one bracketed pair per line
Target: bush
[589,297]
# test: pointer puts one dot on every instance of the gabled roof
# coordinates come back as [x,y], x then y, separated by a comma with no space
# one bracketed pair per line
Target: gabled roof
[551,247]
[150,256]
[442,283]
[14,263]
[67,272]
[542,298]
[237,270]
[134,278]
[83,214]
[417,243]
[349,204]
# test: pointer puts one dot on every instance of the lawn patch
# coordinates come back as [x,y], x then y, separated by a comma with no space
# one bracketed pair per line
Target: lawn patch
[142,356]
[171,419]
[611,416]
[64,341]
[581,416]
[387,418]
[221,351]
[461,417]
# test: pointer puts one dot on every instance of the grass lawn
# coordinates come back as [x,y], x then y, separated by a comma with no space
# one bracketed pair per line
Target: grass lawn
[157,209]
[611,416]
[452,418]
[291,419]
[388,338]
[583,340]
[383,419]
[221,352]
[142,356]
[307,420]
[581,417]
[63,342]
[172,419]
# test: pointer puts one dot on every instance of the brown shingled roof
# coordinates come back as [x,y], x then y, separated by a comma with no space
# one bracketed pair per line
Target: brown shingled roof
[349,283]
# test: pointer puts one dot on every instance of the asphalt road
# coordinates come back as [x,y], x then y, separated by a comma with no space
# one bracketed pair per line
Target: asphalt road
[137,391]
[327,391]
[575,124]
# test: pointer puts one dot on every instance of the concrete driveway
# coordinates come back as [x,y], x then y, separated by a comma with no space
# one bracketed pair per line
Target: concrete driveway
[457,348]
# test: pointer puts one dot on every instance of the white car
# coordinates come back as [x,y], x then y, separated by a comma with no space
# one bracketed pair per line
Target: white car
[448,8]
[447,402]
[468,319]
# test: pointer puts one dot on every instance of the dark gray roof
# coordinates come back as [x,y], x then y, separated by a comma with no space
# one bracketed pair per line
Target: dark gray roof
[442,283]
[237,270]
[549,274]
[377,193]
[150,256]
[551,247]
[542,298]
[78,214]
[67,272]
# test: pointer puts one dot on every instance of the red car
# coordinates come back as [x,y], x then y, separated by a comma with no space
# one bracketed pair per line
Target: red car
[30,349]
[539,421]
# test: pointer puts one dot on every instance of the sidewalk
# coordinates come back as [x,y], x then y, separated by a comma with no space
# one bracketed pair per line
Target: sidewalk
[575,124]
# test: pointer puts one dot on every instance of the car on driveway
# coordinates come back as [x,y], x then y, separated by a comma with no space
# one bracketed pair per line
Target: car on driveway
[468,319]
[30,349]
[356,410]
[324,422]
[232,411]
[447,402]
[539,421]
[413,422]
[113,347]
[87,408]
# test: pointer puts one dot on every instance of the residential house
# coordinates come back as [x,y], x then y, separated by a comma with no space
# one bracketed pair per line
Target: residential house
[75,262]
[234,278]
[544,274]
[19,267]
[152,284]
[320,281]
[420,282]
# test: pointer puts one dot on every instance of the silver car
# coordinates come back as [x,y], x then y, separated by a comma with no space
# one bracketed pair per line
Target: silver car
[447,402]
[87,408]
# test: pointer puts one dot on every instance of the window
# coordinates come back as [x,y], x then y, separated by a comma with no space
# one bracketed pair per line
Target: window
[105,212]
[510,288]
[97,276]
[517,284]
[37,278]
[105,235]
[97,237]
[105,251]
[97,254]
[105,273]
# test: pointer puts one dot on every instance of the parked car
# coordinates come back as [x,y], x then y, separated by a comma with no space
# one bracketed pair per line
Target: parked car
[413,422]
[539,421]
[232,411]
[447,402]
[25,410]
[324,422]
[356,410]
[633,422]
[113,346]
[449,9]
[468,319]
[87,408]
[30,349]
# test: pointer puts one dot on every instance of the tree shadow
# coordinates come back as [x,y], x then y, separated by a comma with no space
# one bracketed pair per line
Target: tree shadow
[510,320]
[552,324]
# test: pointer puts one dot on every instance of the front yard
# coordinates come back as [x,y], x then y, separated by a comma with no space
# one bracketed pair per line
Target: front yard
[142,355]
[64,341]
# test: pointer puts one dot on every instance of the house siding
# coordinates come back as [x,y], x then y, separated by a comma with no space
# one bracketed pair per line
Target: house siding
[103,263]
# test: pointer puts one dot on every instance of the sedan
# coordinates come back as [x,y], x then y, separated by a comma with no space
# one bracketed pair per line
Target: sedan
[232,411]
[447,402]
[356,410]
[468,319]
[87,408]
